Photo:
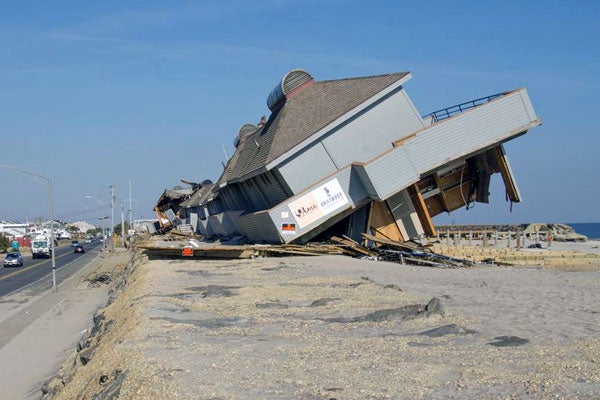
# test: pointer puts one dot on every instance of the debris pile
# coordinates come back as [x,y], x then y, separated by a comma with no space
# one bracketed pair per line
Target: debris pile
[408,253]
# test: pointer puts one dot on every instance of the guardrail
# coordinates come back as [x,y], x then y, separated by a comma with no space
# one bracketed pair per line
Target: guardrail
[448,112]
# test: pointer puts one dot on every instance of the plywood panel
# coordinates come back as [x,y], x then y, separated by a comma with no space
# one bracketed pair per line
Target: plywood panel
[382,223]
[434,205]
[455,199]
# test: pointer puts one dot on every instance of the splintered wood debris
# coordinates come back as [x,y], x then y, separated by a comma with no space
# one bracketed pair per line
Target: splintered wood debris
[377,248]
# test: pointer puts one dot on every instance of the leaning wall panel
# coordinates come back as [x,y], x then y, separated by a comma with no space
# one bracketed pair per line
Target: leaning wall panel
[391,172]
[467,133]
[258,227]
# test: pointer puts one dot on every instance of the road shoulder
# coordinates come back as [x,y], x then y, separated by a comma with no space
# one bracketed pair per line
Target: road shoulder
[40,328]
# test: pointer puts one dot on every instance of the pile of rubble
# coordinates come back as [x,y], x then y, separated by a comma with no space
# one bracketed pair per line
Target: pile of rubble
[410,253]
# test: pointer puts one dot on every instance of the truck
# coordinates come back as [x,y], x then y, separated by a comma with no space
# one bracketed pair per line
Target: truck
[40,247]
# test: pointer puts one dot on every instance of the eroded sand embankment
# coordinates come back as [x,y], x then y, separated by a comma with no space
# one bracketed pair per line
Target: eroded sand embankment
[336,327]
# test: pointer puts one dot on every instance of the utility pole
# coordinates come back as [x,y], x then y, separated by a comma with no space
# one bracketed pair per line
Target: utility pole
[112,216]
[122,224]
[130,209]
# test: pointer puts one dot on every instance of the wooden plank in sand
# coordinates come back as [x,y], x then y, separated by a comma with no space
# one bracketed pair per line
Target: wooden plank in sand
[353,247]
[391,243]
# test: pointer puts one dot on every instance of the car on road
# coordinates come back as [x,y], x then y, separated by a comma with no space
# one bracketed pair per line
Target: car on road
[79,249]
[13,259]
[74,243]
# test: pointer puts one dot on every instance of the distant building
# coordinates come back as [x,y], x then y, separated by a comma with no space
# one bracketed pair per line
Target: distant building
[13,229]
[352,156]
[82,226]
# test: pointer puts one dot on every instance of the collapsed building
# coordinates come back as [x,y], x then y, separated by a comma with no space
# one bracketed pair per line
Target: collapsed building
[353,156]
[176,206]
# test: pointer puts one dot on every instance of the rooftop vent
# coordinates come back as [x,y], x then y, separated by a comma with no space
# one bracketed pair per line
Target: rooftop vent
[245,131]
[290,82]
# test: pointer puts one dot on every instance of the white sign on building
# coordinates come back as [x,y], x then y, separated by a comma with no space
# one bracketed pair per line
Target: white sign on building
[318,203]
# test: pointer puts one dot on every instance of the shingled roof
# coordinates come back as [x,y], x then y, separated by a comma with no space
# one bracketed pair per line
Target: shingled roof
[300,117]
[199,196]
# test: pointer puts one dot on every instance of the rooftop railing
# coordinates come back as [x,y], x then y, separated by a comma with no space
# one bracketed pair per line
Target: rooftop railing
[445,113]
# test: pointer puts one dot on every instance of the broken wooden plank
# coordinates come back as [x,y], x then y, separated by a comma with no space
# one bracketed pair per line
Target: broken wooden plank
[353,246]
[391,243]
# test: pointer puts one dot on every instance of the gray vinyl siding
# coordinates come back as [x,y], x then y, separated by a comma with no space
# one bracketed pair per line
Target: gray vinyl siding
[215,206]
[311,165]
[391,172]
[271,188]
[469,132]
[462,135]
[203,227]
[215,226]
[361,139]
[224,224]
[230,222]
[242,198]
[527,104]
[374,130]
[255,195]
[361,172]
[259,227]
[233,198]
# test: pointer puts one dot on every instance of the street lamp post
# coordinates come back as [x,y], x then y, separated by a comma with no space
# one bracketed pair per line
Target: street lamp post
[48,182]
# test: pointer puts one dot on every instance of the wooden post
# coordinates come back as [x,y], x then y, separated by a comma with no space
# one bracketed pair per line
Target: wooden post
[423,212]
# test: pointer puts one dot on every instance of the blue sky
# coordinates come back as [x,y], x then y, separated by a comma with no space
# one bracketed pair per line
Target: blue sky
[95,94]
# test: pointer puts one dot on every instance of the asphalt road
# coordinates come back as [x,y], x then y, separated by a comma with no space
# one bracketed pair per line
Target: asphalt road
[67,262]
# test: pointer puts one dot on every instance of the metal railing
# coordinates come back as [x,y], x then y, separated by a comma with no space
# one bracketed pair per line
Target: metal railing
[459,108]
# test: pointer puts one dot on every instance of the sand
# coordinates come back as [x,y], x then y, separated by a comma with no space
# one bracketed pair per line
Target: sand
[333,327]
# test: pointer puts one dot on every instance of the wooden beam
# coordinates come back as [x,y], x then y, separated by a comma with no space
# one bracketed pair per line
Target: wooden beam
[403,140]
[509,183]
[422,212]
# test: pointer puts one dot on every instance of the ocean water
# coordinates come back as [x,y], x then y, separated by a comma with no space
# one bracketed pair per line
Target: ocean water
[589,229]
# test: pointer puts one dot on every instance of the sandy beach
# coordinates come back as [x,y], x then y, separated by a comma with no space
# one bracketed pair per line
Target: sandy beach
[334,327]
